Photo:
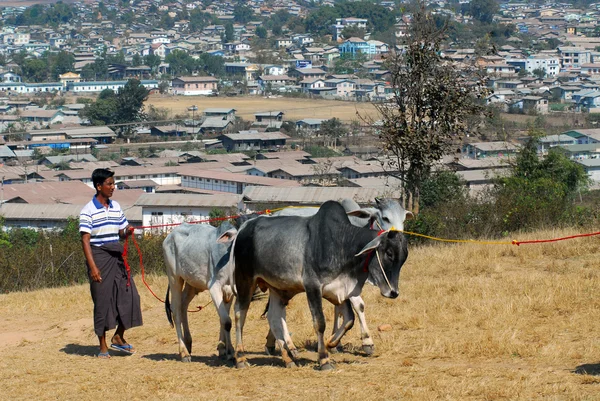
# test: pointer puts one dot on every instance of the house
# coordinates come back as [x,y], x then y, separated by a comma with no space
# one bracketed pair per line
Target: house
[215,125]
[223,113]
[268,116]
[306,73]
[313,124]
[489,149]
[189,86]
[228,182]
[550,141]
[341,23]
[253,141]
[354,45]
[274,81]
[99,86]
[249,72]
[573,56]
[536,103]
[176,208]
[343,87]
[69,77]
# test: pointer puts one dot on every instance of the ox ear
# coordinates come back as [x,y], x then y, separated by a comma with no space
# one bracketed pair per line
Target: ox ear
[361,213]
[227,236]
[370,246]
[409,215]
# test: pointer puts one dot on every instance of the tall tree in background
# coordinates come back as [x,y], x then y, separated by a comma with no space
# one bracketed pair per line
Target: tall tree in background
[432,105]
[483,10]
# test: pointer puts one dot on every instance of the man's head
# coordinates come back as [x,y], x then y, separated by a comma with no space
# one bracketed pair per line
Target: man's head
[99,176]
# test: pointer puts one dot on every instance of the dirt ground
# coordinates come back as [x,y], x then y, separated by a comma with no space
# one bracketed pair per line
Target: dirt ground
[246,106]
[473,322]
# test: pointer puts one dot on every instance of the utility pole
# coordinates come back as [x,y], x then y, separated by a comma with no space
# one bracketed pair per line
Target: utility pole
[2,192]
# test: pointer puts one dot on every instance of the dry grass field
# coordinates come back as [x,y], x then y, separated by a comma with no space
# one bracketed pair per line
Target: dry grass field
[246,106]
[473,322]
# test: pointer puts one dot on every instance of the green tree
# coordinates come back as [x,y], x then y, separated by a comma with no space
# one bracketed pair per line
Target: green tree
[483,10]
[136,60]
[261,32]
[333,129]
[35,70]
[539,72]
[229,32]
[539,192]
[353,32]
[433,103]
[130,101]
[61,63]
[152,61]
[212,65]
[242,14]
[180,62]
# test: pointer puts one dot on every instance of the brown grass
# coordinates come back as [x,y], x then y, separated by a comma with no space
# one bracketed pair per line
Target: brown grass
[473,322]
[294,109]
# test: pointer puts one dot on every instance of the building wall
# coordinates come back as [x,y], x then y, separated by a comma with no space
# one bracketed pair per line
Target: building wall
[212,184]
[159,215]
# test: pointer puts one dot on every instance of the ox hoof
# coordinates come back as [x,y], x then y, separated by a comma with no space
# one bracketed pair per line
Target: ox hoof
[327,366]
[336,350]
[368,349]
[290,365]
[270,350]
[186,359]
[294,353]
[242,365]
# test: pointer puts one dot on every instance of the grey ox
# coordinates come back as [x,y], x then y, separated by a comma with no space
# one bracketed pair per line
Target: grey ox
[386,214]
[195,263]
[323,255]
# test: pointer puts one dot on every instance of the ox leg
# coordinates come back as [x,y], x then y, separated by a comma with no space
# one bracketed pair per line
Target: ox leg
[188,294]
[367,341]
[176,301]
[270,345]
[337,312]
[315,304]
[242,303]
[346,310]
[224,348]
[276,318]
[288,339]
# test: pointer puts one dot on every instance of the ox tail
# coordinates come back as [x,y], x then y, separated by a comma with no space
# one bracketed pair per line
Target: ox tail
[168,307]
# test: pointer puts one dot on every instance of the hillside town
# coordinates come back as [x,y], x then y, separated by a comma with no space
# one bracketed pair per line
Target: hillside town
[540,59]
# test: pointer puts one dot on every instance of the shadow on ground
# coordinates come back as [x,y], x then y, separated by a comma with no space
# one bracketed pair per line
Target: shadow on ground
[81,350]
[588,369]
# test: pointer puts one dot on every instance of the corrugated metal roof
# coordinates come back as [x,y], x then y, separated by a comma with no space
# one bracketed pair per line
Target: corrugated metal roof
[6,152]
[55,212]
[198,200]
[232,177]
[311,195]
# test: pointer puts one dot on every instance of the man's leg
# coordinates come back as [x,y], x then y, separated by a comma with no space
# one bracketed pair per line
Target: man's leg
[103,347]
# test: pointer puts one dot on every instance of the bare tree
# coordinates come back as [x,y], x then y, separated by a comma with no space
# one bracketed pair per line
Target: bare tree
[433,102]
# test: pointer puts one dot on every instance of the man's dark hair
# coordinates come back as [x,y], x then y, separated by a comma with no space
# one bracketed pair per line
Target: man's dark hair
[100,175]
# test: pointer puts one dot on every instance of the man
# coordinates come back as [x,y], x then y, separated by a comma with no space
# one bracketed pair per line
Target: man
[116,300]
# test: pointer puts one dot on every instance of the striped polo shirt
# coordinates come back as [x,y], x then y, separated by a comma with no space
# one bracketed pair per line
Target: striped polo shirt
[103,224]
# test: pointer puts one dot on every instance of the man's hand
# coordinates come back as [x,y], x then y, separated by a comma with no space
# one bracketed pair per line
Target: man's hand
[95,274]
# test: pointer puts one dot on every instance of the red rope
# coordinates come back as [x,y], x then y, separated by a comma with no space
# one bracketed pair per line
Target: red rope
[128,268]
[539,241]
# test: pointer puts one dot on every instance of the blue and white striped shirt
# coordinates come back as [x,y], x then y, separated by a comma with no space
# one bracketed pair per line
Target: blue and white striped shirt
[103,224]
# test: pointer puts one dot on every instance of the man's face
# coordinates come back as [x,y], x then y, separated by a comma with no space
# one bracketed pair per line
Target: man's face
[107,188]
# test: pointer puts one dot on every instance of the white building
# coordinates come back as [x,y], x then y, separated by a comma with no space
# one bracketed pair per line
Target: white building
[160,209]
[99,86]
[550,65]
[573,57]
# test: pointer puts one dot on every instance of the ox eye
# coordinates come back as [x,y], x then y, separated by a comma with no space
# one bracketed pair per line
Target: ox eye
[386,219]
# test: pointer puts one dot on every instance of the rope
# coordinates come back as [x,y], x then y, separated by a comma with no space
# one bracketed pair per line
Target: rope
[367,261]
[143,271]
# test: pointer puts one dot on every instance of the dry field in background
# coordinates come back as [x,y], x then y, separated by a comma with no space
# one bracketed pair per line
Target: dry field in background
[294,109]
[473,322]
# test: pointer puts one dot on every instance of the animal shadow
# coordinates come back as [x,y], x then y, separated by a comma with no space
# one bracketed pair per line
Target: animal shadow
[81,350]
[208,360]
[588,369]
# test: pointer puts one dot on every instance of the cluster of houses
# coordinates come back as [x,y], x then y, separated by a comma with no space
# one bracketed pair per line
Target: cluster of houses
[173,186]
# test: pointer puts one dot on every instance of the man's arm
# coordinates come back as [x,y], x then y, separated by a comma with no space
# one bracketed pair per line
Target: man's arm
[87,251]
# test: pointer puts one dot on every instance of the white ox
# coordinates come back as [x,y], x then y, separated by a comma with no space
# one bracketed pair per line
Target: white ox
[196,262]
